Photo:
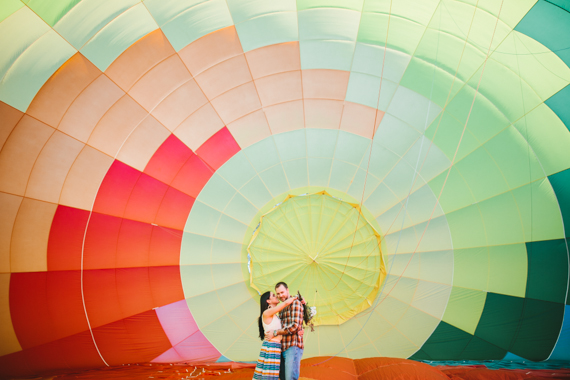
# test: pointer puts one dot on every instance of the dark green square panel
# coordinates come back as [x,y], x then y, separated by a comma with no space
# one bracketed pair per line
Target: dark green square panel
[560,183]
[547,277]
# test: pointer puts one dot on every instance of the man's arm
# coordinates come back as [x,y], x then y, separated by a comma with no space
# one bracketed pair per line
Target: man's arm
[296,320]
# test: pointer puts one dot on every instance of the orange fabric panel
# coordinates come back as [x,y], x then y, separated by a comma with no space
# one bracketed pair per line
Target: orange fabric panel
[66,239]
[139,58]
[199,126]
[174,209]
[84,178]
[19,154]
[164,247]
[274,59]
[141,144]
[116,189]
[115,125]
[180,104]
[325,84]
[218,149]
[51,167]
[168,159]
[10,204]
[145,199]
[224,76]
[285,117]
[279,88]
[360,119]
[159,82]
[193,176]
[9,117]
[165,285]
[30,236]
[322,113]
[237,102]
[89,107]
[394,368]
[64,86]
[211,49]
[250,129]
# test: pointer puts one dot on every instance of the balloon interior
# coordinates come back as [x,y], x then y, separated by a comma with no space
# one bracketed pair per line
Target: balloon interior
[404,164]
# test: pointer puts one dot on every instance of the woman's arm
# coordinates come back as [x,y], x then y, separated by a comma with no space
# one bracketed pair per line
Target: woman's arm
[274,310]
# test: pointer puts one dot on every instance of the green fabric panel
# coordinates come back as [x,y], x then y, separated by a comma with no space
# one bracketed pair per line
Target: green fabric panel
[261,155]
[413,108]
[277,28]
[549,24]
[508,268]
[249,9]
[351,148]
[464,308]
[559,104]
[319,171]
[328,24]
[291,145]
[467,227]
[326,54]
[404,34]
[450,343]
[89,17]
[51,11]
[240,209]
[238,170]
[275,180]
[355,5]
[502,220]
[471,268]
[184,22]
[256,192]
[547,270]
[539,329]
[368,59]
[217,193]
[8,7]
[364,89]
[455,194]
[321,142]
[500,320]
[561,185]
[118,35]
[33,68]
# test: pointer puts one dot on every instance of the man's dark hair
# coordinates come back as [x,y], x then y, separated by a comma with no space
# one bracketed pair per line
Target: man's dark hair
[281,283]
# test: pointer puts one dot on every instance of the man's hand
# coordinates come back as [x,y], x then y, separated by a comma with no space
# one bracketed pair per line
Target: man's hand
[269,335]
[301,332]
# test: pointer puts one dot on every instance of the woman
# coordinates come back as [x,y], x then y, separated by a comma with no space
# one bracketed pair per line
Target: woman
[268,363]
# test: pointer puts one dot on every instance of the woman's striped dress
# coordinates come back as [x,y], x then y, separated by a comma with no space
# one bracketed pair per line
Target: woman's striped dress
[268,363]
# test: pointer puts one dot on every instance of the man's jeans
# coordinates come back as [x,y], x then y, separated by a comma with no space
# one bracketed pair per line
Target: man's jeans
[292,362]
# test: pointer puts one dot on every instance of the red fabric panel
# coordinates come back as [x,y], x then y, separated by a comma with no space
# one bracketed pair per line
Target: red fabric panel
[165,247]
[174,209]
[193,176]
[116,189]
[46,306]
[101,297]
[168,159]
[133,288]
[133,244]
[136,339]
[218,149]
[66,238]
[165,285]
[101,242]
[145,199]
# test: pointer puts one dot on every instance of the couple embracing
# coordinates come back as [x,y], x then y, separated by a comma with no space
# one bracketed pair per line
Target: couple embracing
[281,329]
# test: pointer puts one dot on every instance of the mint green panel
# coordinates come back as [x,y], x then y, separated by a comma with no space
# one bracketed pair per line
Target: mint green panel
[297,173]
[549,144]
[275,180]
[363,184]
[403,35]
[319,171]
[291,145]
[262,155]
[508,268]
[118,35]
[355,5]
[184,22]
[380,161]
[471,267]
[51,11]
[502,220]
[256,192]
[33,68]
[89,17]
[364,89]
[426,159]
[455,192]
[342,175]
[230,229]
[278,28]
[327,54]
[413,108]
[238,170]
[197,248]
[328,24]
[217,193]
[203,219]
[396,134]
[464,308]
[380,62]
[351,148]
[321,142]
[8,7]
[467,227]
[380,200]
[246,10]
[240,209]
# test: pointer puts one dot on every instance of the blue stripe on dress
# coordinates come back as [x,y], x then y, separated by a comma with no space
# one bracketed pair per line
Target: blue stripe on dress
[267,367]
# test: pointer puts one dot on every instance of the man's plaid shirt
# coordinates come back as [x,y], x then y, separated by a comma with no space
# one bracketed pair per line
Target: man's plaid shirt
[292,321]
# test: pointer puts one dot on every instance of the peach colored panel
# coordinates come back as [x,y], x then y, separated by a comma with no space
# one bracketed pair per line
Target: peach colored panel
[9,206]
[116,125]
[140,58]
[224,76]
[359,119]
[20,152]
[9,117]
[279,88]
[211,49]
[159,82]
[89,107]
[325,84]
[250,129]
[84,178]
[9,342]
[179,105]
[237,102]
[143,143]
[64,86]
[285,117]
[28,251]
[322,113]
[274,59]
[52,166]
[199,127]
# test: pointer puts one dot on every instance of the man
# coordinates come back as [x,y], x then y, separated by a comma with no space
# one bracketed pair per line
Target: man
[292,331]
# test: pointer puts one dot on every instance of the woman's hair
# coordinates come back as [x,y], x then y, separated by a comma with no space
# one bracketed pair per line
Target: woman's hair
[263,305]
